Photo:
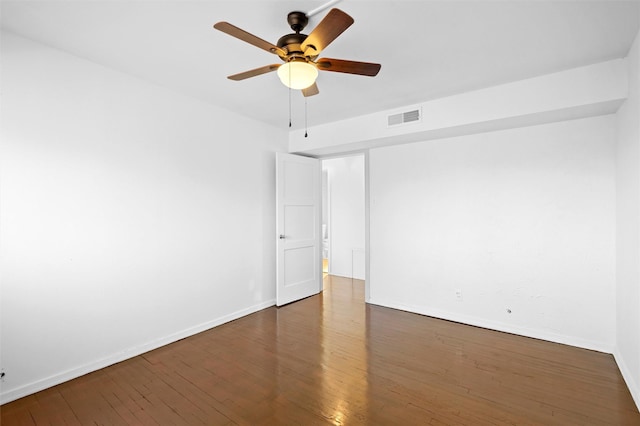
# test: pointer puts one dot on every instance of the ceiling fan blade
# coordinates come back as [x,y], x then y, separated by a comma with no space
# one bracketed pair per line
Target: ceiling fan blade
[311,90]
[327,30]
[241,34]
[253,73]
[349,67]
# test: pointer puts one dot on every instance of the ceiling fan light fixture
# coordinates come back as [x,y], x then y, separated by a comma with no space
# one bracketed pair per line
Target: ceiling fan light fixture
[297,74]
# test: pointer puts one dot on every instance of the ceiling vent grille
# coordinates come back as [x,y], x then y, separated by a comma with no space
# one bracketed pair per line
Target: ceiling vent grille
[406,117]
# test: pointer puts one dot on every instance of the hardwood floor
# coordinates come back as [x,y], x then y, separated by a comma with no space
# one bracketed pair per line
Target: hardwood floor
[331,359]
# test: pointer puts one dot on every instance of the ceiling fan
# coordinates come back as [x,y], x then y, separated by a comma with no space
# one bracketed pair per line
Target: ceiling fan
[300,52]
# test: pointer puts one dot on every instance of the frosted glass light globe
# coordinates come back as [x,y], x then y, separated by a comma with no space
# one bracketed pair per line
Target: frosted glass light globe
[297,74]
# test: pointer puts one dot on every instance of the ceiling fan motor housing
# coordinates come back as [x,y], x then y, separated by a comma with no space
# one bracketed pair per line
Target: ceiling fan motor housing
[291,42]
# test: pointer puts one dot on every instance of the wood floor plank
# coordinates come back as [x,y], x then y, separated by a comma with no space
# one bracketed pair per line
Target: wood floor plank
[332,359]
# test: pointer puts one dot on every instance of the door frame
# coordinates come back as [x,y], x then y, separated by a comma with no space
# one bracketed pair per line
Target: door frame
[367,216]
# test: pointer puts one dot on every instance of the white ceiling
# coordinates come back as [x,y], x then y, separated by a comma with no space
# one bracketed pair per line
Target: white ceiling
[428,49]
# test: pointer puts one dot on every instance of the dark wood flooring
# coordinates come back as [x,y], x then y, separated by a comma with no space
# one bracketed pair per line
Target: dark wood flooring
[331,359]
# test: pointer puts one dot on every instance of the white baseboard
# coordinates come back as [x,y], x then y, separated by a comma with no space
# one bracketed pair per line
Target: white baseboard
[630,380]
[498,326]
[56,379]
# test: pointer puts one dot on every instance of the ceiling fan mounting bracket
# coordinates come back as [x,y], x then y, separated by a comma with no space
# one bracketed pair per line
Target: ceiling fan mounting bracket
[297,20]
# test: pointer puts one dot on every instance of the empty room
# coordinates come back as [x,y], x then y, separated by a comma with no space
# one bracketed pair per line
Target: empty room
[319,212]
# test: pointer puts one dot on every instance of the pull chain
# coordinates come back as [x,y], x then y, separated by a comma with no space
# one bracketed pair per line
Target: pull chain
[289,106]
[289,94]
[305,117]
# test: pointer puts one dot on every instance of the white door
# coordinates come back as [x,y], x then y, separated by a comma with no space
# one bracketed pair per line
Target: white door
[298,198]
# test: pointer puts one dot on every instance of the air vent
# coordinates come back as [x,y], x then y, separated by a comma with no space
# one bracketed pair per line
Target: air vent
[404,118]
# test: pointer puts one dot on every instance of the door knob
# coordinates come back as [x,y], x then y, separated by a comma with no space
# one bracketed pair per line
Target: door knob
[282,236]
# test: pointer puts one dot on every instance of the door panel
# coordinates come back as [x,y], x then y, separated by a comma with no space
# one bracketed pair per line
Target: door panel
[298,177]
[299,265]
[299,222]
[298,201]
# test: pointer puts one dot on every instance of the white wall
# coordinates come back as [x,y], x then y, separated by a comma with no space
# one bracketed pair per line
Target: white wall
[131,216]
[347,216]
[520,220]
[627,351]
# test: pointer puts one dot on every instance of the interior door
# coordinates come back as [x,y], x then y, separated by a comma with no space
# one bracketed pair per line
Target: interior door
[298,215]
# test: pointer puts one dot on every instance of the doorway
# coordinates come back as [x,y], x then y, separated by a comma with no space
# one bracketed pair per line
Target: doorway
[343,216]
